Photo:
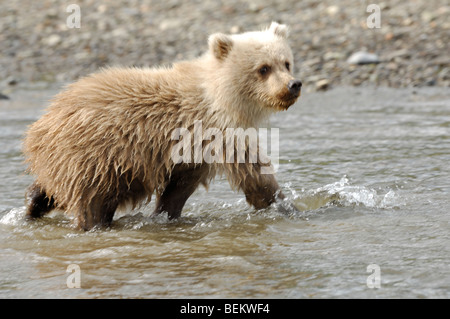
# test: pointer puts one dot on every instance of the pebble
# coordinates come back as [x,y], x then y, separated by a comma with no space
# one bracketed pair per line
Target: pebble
[362,57]
[333,56]
[322,85]
[412,43]
[52,40]
[332,10]
[398,54]
[3,97]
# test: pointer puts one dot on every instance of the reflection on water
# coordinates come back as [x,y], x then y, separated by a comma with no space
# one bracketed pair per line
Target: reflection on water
[368,169]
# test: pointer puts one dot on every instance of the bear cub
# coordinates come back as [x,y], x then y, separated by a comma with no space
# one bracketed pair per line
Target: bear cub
[107,140]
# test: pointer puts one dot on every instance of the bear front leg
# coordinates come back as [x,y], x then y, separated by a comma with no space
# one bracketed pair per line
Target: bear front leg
[179,188]
[261,190]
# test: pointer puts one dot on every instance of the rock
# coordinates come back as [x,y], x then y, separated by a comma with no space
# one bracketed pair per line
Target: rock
[427,16]
[332,10]
[441,61]
[322,85]
[3,97]
[11,81]
[170,24]
[120,33]
[392,66]
[333,56]
[389,36]
[402,53]
[52,40]
[362,57]
[235,29]
[413,37]
[311,62]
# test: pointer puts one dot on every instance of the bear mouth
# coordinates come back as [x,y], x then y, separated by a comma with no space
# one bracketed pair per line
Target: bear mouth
[287,100]
[280,102]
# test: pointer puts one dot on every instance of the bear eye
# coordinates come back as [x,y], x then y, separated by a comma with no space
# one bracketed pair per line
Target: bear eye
[264,70]
[288,66]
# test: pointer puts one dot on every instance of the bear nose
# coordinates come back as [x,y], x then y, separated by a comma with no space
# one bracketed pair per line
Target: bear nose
[294,87]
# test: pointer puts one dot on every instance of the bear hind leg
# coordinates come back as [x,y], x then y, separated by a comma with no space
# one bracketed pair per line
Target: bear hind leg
[38,202]
[178,190]
[98,214]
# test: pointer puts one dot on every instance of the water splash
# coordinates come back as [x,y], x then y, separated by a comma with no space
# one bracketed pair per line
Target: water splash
[346,194]
[220,214]
[14,217]
[343,193]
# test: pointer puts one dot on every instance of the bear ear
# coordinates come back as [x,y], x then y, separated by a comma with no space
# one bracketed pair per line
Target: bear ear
[280,30]
[220,45]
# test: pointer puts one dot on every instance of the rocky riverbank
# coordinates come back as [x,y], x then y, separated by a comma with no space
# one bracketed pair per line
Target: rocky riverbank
[410,48]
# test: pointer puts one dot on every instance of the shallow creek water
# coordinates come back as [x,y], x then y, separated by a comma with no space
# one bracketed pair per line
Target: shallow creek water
[368,167]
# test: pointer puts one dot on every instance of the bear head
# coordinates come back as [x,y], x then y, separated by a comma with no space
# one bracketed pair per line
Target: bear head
[257,66]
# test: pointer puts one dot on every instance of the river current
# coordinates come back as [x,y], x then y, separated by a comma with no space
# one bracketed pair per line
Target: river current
[368,168]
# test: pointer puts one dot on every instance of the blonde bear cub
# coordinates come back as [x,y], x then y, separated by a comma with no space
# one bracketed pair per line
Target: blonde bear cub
[105,141]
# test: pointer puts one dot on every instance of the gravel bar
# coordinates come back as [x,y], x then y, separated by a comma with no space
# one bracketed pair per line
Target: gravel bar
[404,43]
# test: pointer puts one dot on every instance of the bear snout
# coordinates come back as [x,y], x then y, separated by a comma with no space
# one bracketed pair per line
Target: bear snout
[294,87]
